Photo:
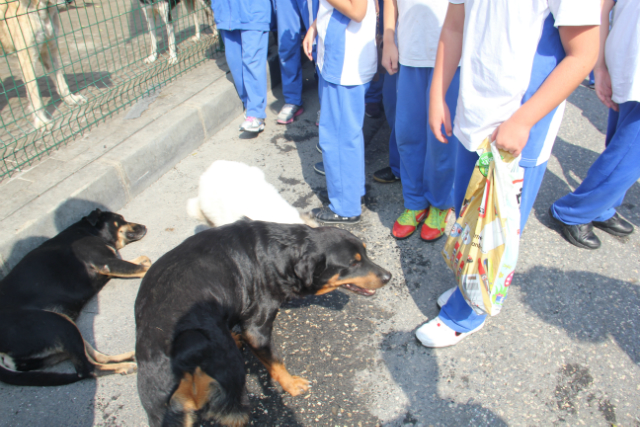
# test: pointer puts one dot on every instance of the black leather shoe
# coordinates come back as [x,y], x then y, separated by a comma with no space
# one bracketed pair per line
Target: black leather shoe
[580,235]
[323,195]
[327,216]
[385,176]
[615,225]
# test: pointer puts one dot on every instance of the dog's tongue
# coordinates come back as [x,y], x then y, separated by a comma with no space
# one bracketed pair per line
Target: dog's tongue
[358,290]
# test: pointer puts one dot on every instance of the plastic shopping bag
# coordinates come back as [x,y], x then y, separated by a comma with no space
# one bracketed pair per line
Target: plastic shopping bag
[482,248]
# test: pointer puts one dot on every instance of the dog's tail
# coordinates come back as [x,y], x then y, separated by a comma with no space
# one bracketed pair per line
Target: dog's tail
[37,378]
[199,395]
[193,209]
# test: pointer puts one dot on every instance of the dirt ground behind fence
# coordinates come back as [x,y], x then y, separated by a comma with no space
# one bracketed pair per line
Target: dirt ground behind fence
[102,47]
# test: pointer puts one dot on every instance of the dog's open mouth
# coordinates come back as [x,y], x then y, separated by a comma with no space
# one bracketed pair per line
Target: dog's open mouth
[358,290]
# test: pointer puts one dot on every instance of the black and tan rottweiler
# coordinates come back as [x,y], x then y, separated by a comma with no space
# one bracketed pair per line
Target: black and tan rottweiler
[42,296]
[232,278]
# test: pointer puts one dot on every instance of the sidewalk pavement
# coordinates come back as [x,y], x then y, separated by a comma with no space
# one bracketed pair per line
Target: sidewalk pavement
[117,160]
[564,350]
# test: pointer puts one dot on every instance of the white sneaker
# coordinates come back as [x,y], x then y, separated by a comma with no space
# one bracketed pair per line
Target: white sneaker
[436,334]
[288,113]
[252,124]
[442,299]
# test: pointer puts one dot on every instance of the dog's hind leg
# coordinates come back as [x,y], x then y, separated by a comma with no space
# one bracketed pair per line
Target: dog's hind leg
[189,4]
[164,9]
[104,358]
[151,23]
[34,339]
[125,368]
[51,63]
[27,56]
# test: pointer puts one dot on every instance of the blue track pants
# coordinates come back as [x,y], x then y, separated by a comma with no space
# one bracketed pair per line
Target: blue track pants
[389,98]
[374,93]
[291,14]
[610,176]
[342,144]
[246,53]
[456,313]
[426,165]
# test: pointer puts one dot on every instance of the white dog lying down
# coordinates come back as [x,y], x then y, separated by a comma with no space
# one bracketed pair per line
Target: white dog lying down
[230,191]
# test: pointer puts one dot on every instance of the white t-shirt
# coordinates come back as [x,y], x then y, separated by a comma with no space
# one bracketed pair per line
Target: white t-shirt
[419,25]
[622,51]
[500,40]
[347,53]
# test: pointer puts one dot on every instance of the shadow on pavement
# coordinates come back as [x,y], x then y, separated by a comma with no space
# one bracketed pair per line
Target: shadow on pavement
[592,109]
[588,306]
[415,370]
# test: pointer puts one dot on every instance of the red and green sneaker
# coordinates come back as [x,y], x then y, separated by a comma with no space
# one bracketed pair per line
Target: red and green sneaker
[434,225]
[407,223]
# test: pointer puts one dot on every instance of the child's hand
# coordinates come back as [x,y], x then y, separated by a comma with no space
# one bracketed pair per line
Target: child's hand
[603,87]
[390,57]
[511,136]
[307,43]
[439,116]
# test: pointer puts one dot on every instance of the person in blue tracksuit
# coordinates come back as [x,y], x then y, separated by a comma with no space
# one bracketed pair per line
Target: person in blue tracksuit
[244,27]
[291,14]
[494,75]
[617,83]
[373,99]
[426,165]
[391,173]
[347,60]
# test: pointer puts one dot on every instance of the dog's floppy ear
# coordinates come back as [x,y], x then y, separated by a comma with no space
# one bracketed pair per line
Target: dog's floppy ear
[310,266]
[94,217]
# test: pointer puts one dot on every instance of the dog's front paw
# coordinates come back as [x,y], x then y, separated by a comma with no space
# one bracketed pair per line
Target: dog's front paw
[127,368]
[41,120]
[195,38]
[297,385]
[150,59]
[143,261]
[173,59]
[75,99]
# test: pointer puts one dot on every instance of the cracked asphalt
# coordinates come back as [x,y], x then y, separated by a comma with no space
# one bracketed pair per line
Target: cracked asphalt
[564,351]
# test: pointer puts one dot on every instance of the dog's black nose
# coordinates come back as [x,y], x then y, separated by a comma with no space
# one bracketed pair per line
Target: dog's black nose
[385,276]
[141,229]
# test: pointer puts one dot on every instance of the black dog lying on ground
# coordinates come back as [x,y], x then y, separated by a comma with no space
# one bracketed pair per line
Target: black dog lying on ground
[232,277]
[44,293]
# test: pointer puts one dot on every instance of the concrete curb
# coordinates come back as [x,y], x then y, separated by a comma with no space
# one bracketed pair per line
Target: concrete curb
[118,159]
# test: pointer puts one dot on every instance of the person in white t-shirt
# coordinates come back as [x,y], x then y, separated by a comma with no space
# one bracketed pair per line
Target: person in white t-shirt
[617,80]
[426,165]
[347,60]
[519,62]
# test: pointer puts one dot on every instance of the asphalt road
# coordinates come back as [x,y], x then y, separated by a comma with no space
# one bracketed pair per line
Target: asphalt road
[564,351]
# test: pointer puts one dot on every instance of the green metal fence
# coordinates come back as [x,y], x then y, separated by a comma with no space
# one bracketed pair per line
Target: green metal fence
[100,49]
